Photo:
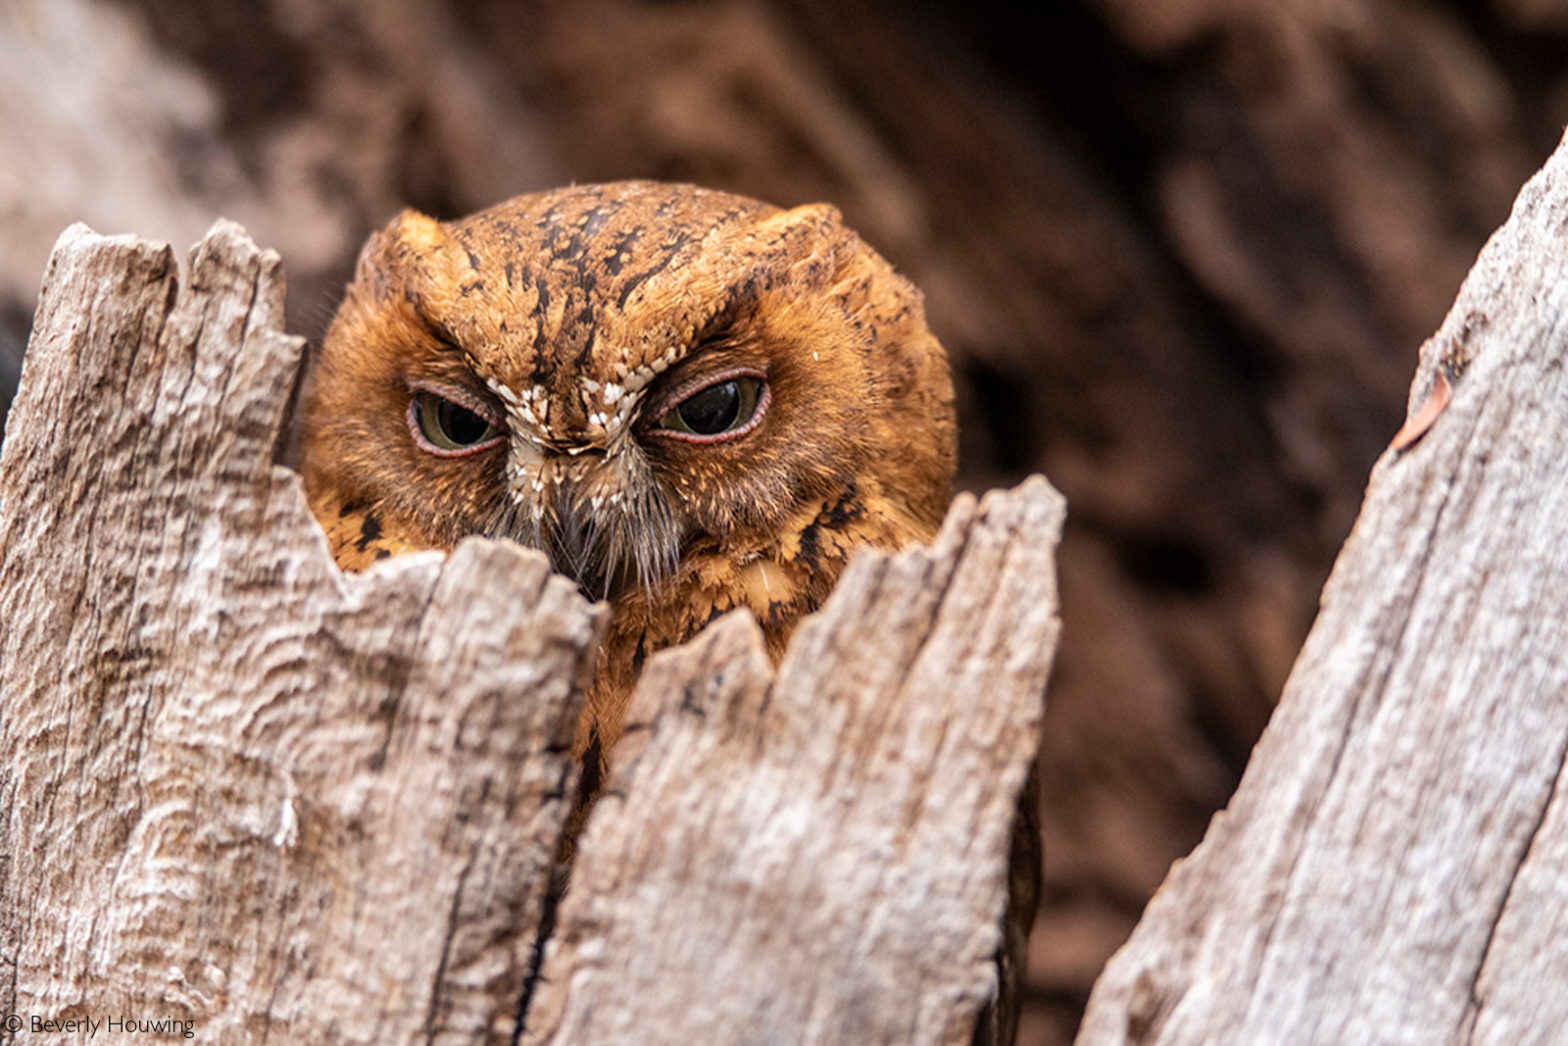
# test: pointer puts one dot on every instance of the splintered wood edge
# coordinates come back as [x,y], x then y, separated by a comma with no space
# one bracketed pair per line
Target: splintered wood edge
[822,854]
[1394,865]
[282,801]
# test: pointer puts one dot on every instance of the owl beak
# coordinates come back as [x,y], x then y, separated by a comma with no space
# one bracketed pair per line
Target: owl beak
[585,533]
[601,518]
[573,544]
[605,541]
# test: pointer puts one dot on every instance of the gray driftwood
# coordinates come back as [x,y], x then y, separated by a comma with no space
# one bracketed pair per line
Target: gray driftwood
[1394,867]
[240,789]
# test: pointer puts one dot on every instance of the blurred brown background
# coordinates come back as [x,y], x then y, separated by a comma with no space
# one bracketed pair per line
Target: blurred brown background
[1182,252]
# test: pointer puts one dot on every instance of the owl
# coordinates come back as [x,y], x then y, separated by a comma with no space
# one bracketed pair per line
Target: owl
[690,401]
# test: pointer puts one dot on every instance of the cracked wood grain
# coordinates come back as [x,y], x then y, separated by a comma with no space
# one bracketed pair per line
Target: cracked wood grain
[237,787]
[241,789]
[820,856]
[1394,866]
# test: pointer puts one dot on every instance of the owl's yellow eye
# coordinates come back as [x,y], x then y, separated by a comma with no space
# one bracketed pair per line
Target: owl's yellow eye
[448,428]
[719,410]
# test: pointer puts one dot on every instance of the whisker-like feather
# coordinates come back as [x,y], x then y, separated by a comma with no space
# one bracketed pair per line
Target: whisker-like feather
[631,538]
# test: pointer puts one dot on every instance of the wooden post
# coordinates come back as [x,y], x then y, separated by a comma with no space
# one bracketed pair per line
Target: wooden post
[241,790]
[1394,866]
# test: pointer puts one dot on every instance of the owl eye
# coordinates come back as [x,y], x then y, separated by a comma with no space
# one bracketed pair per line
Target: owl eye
[718,411]
[442,426]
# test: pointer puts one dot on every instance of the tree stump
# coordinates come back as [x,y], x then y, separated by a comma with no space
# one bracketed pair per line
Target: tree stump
[1394,867]
[243,791]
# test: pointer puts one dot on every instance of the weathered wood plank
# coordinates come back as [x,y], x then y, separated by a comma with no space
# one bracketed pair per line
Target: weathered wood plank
[238,788]
[821,857]
[1393,867]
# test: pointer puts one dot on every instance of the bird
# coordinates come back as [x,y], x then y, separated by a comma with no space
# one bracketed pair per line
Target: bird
[690,401]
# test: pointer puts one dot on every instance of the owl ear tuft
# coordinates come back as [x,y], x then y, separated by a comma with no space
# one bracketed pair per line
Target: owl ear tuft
[419,232]
[410,233]
[808,222]
[812,237]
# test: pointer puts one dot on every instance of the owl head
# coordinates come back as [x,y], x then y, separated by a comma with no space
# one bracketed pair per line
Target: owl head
[620,374]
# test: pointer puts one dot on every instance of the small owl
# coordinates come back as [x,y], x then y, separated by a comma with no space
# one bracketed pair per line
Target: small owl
[690,401]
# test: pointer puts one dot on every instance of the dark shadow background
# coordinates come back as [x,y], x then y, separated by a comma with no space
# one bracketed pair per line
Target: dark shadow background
[1183,253]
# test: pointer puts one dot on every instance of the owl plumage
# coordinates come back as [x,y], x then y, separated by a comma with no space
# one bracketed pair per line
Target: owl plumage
[691,401]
